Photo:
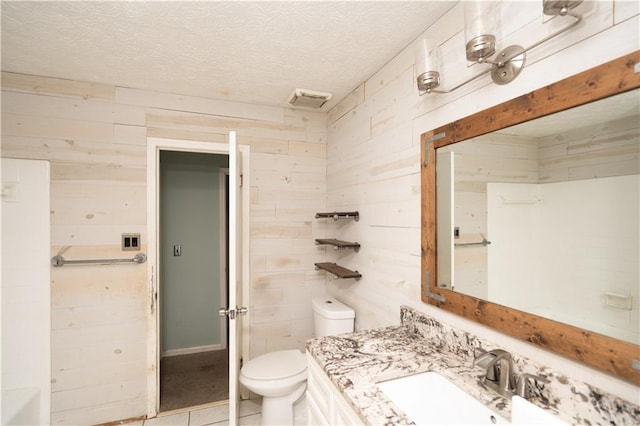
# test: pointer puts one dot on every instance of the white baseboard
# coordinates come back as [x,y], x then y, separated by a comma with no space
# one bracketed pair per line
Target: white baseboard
[194,350]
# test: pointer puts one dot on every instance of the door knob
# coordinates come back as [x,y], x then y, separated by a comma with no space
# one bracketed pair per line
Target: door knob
[232,313]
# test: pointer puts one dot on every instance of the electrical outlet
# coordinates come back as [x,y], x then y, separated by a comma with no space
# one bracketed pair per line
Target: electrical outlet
[130,242]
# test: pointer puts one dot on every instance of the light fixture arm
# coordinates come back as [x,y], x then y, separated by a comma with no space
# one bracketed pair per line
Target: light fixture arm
[508,63]
[565,11]
[488,70]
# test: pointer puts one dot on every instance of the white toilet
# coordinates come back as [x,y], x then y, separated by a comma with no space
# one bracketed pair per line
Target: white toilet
[281,376]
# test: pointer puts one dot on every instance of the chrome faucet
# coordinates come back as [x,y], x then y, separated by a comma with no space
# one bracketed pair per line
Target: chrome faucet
[522,387]
[499,371]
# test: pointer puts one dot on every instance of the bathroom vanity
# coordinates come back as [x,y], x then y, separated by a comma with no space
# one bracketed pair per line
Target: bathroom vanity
[345,372]
[325,404]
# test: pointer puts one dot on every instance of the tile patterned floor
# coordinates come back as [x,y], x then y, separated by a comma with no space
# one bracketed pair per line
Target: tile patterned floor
[249,416]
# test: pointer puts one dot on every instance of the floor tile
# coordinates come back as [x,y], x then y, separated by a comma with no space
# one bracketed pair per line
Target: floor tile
[218,416]
[252,420]
[207,416]
[250,406]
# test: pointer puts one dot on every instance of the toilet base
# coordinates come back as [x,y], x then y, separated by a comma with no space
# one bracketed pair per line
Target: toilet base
[278,411]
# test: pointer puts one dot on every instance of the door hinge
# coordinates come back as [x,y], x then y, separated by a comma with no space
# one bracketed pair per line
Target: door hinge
[241,180]
[154,293]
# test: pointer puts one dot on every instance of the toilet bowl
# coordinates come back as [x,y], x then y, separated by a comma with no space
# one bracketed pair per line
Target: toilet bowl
[275,374]
[281,376]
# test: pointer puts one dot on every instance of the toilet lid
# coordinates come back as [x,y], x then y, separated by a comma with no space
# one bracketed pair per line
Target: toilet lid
[275,365]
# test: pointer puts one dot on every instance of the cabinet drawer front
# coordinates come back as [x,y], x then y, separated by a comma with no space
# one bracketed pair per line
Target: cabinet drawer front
[318,386]
[343,414]
[326,399]
[314,414]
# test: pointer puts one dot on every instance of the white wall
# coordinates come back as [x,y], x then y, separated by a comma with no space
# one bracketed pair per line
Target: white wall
[373,156]
[514,226]
[568,252]
[25,295]
[601,240]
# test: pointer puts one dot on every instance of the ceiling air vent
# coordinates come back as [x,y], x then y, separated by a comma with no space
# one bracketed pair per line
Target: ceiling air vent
[308,98]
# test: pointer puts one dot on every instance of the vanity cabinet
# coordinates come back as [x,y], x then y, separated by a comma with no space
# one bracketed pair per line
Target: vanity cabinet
[325,404]
[335,269]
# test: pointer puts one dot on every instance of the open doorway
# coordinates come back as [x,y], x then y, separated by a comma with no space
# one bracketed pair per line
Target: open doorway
[193,284]
[237,325]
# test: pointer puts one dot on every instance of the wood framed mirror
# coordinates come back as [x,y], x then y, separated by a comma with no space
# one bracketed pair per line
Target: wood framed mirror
[616,356]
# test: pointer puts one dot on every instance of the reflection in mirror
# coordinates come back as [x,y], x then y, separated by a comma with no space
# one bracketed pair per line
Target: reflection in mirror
[543,216]
[565,268]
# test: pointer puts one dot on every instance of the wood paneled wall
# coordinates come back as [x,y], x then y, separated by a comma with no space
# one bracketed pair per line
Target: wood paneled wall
[95,136]
[374,149]
[593,151]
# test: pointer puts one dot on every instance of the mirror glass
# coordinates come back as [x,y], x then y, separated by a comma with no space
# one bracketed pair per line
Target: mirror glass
[544,216]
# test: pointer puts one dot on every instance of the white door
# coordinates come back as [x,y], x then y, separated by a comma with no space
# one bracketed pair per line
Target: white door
[445,205]
[235,311]
[238,243]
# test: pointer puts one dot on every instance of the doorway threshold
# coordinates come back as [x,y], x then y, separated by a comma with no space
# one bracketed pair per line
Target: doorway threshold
[195,407]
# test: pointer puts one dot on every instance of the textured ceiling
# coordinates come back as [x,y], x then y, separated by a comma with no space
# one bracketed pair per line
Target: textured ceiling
[255,52]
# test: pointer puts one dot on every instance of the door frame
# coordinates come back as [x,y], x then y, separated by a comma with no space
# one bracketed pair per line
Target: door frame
[154,146]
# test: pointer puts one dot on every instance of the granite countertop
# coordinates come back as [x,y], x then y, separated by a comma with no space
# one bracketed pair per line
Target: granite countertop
[355,362]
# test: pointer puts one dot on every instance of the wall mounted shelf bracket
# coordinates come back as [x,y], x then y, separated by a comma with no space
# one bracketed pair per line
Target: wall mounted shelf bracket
[338,271]
[338,244]
[429,293]
[339,215]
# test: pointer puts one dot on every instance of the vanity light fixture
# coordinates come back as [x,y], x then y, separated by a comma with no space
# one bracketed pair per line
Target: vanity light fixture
[481,32]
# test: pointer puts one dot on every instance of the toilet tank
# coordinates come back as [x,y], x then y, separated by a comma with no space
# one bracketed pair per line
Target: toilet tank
[330,316]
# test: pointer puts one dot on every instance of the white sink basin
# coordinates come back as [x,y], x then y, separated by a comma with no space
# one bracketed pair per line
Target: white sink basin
[429,398]
[525,413]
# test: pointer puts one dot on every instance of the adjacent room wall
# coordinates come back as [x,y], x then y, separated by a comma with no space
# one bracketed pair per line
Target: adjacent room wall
[192,286]
[95,137]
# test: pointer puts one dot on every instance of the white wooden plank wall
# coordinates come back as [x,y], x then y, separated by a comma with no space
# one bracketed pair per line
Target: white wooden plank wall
[594,151]
[95,137]
[374,148]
